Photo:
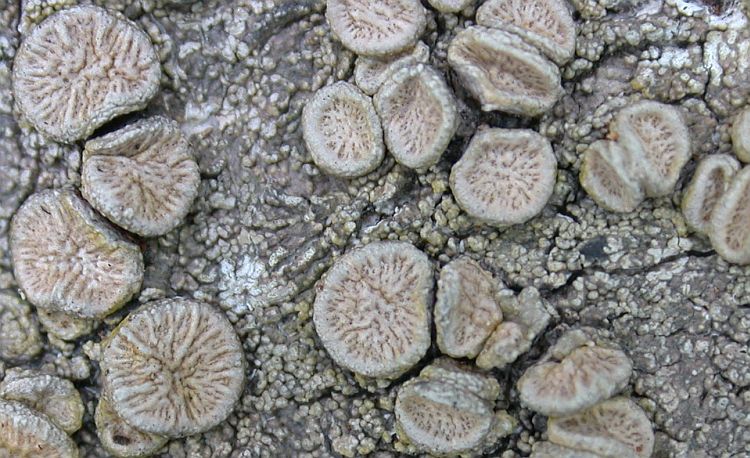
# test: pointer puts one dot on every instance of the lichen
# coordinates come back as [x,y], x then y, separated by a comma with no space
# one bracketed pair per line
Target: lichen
[174,367]
[267,223]
[121,73]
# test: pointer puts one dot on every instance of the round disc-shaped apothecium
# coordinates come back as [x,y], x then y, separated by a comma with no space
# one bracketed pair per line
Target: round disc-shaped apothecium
[709,183]
[174,367]
[465,311]
[545,24]
[583,378]
[418,114]
[441,418]
[658,140]
[729,230]
[27,433]
[506,176]
[142,177]
[607,177]
[615,427]
[80,68]
[53,396]
[379,28]
[67,258]
[119,438]
[342,131]
[503,72]
[372,309]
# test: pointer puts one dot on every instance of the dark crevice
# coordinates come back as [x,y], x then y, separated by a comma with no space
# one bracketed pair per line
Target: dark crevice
[551,246]
[563,210]
[515,287]
[651,268]
[548,293]
[717,6]
[575,275]
[117,123]
[268,25]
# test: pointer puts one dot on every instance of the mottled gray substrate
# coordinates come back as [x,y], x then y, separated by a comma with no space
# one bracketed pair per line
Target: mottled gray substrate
[266,224]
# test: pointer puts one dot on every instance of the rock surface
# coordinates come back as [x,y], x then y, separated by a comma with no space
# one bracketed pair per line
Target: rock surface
[267,223]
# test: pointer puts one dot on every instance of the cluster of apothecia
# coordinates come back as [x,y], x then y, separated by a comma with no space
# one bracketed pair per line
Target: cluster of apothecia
[402,104]
[509,62]
[175,367]
[171,368]
[375,307]
[648,147]
[715,203]
[373,313]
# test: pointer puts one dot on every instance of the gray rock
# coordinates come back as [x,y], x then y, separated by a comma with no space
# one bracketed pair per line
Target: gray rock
[267,224]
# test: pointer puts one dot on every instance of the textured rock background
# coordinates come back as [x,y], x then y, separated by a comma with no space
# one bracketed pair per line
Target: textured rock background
[267,224]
